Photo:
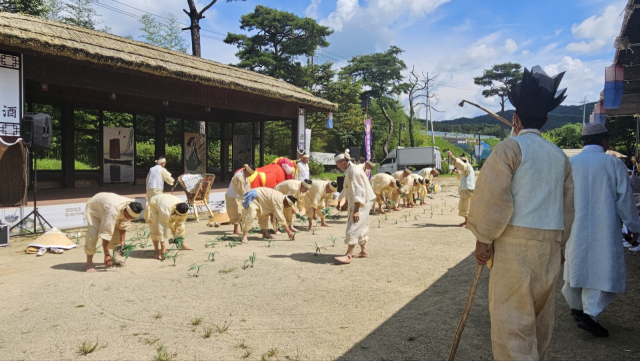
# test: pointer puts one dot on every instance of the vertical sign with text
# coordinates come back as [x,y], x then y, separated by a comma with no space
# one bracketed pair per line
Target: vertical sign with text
[302,126]
[10,94]
[367,138]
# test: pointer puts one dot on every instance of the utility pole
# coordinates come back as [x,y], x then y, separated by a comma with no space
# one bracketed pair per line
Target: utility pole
[584,111]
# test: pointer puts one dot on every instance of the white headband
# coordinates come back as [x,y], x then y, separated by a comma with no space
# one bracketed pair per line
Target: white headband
[161,160]
[339,157]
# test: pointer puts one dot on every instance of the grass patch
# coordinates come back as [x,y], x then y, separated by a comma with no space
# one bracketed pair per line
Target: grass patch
[149,340]
[224,328]
[196,321]
[227,270]
[207,332]
[87,347]
[246,354]
[242,345]
[56,164]
[328,176]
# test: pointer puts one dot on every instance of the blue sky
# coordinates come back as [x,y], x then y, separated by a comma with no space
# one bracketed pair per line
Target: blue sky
[456,39]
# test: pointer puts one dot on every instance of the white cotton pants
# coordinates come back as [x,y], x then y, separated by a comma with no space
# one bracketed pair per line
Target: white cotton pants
[357,232]
[590,301]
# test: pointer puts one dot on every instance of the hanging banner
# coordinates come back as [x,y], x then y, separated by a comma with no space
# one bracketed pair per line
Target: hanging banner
[117,159]
[330,120]
[613,86]
[195,146]
[302,126]
[10,94]
[368,139]
[307,141]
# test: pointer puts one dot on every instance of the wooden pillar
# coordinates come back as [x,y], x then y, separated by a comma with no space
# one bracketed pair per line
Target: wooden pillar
[262,144]
[101,148]
[224,152]
[294,139]
[68,146]
[161,132]
[135,148]
[206,149]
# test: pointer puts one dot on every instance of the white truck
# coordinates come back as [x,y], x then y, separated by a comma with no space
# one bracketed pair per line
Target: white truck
[416,158]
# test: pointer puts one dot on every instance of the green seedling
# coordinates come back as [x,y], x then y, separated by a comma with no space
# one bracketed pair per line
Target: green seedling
[87,347]
[424,211]
[196,321]
[212,256]
[333,240]
[224,328]
[251,260]
[319,249]
[164,355]
[234,244]
[255,230]
[126,250]
[379,220]
[158,315]
[177,241]
[395,222]
[386,218]
[405,217]
[225,238]
[207,332]
[442,212]
[195,267]
[173,257]
[246,354]
[415,218]
[211,244]
[271,243]
[242,345]
[409,212]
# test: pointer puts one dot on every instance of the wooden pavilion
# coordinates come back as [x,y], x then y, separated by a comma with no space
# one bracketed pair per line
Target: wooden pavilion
[163,94]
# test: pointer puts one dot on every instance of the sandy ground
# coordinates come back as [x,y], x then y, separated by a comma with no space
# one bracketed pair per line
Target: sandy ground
[404,303]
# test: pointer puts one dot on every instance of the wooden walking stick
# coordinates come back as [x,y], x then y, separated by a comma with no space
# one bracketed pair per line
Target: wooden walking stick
[465,313]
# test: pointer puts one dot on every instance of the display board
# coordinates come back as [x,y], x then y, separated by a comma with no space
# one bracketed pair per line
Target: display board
[118,155]
[195,156]
[10,94]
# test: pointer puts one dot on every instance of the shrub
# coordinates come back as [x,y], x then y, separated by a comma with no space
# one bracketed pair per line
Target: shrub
[145,154]
[315,168]
[269,158]
[445,167]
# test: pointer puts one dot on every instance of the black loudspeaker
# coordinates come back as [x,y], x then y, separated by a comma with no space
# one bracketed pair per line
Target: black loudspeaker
[355,153]
[36,131]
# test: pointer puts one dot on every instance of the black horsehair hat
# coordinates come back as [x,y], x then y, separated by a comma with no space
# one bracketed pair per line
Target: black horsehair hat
[536,95]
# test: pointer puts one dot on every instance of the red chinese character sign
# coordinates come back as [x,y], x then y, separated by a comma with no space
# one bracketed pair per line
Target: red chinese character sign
[10,94]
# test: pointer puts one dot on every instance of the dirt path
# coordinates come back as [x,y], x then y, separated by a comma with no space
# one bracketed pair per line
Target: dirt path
[403,303]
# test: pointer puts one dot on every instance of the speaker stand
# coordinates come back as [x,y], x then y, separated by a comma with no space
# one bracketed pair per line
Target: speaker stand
[35,214]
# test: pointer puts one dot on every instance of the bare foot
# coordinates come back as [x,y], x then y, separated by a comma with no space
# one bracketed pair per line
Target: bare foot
[267,236]
[294,229]
[187,248]
[107,261]
[463,224]
[346,259]
[277,233]
[90,268]
[312,229]
[245,241]
[325,224]
[362,254]
[157,254]
[238,233]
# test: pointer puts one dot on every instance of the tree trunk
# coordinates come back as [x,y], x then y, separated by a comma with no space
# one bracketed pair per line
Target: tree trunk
[412,114]
[385,147]
[195,37]
[501,123]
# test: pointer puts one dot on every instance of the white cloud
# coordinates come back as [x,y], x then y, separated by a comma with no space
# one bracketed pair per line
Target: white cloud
[558,32]
[510,46]
[382,13]
[312,9]
[597,31]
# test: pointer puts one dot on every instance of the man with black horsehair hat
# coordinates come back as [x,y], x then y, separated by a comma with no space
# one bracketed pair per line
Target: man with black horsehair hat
[360,198]
[108,218]
[521,215]
[595,269]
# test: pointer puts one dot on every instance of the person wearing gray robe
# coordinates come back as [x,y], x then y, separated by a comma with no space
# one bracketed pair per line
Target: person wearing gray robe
[595,270]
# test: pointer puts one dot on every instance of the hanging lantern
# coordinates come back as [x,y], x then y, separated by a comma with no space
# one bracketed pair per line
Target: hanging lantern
[330,120]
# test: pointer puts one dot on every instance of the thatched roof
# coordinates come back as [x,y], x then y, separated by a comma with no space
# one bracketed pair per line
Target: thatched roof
[54,38]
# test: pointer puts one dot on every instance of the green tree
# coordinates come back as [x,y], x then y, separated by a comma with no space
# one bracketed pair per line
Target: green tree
[81,13]
[622,134]
[281,37]
[381,73]
[499,79]
[566,137]
[167,35]
[29,7]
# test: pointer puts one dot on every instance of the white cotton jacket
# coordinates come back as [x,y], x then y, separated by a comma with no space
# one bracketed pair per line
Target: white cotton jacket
[157,176]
